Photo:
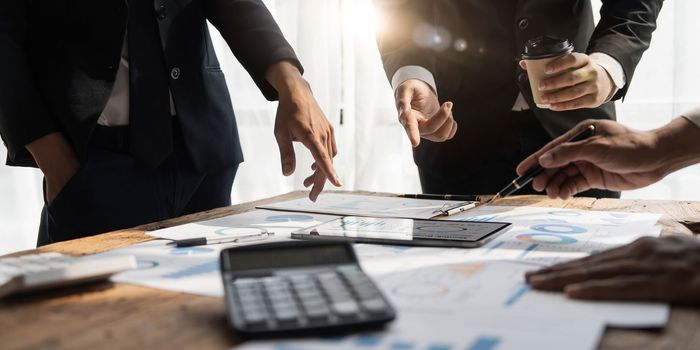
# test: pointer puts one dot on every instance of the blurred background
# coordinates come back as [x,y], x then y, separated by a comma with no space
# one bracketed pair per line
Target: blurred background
[335,40]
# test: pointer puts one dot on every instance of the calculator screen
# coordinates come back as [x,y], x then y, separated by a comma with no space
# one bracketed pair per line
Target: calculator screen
[296,257]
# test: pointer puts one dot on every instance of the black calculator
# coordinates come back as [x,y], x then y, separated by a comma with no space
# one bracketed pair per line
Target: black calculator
[299,288]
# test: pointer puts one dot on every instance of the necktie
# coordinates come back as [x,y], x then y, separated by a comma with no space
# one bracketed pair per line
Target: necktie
[150,122]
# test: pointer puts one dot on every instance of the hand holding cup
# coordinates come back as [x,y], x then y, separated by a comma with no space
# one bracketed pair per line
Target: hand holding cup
[563,80]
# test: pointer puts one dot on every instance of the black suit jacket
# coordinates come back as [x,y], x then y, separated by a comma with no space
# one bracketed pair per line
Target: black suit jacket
[485,79]
[59,58]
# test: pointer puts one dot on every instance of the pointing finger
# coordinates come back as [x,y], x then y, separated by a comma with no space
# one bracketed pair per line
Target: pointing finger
[410,124]
[322,159]
[404,96]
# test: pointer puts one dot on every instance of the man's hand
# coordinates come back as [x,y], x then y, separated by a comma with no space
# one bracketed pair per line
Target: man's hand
[56,159]
[577,82]
[650,269]
[421,115]
[616,158]
[299,118]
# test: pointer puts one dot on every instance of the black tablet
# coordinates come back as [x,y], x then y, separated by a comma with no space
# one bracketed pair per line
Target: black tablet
[431,233]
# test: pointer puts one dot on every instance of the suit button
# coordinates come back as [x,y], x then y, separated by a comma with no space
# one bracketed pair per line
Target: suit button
[523,23]
[175,73]
[162,12]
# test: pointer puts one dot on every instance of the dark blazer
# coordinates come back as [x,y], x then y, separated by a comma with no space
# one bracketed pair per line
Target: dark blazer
[59,58]
[484,79]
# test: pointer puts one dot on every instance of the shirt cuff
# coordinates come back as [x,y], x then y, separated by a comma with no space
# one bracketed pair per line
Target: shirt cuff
[413,72]
[693,116]
[614,69]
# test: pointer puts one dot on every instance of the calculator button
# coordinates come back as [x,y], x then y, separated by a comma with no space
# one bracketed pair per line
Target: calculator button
[374,305]
[340,297]
[357,278]
[301,279]
[277,294]
[310,297]
[367,292]
[285,313]
[345,308]
[313,303]
[316,311]
[306,289]
[329,277]
[253,306]
[272,281]
[254,317]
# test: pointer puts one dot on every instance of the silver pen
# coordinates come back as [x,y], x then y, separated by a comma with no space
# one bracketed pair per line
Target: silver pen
[457,208]
[190,242]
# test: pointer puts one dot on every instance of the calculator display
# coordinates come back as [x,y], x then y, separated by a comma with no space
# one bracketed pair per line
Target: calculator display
[282,258]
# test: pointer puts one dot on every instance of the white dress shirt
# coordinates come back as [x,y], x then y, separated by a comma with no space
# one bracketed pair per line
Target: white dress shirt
[116,111]
[611,66]
[693,116]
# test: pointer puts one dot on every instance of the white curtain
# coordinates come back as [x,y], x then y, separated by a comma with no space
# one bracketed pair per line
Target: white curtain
[21,201]
[665,85]
[335,41]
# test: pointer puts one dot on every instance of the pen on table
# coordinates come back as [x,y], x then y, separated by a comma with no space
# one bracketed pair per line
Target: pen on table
[190,242]
[526,178]
[447,197]
[457,208]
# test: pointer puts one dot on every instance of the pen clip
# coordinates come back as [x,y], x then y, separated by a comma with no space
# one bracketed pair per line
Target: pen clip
[446,211]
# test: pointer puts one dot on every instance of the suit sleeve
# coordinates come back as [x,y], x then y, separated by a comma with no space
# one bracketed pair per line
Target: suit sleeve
[24,116]
[624,33]
[404,21]
[253,36]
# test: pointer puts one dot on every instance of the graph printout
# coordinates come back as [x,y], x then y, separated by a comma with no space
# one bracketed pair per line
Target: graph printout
[551,235]
[281,224]
[358,205]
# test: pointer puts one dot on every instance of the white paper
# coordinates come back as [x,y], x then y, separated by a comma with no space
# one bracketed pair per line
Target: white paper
[192,270]
[553,215]
[280,223]
[196,269]
[430,332]
[350,204]
[550,235]
[495,293]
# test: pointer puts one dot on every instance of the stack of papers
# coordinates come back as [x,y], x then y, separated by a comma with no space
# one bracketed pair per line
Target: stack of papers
[446,298]
[357,205]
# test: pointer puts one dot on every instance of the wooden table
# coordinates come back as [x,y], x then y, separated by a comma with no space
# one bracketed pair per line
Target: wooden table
[131,317]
